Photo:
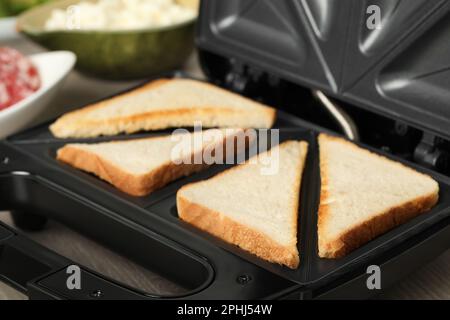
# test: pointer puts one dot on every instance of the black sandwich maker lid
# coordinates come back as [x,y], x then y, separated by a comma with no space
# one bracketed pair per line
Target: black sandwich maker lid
[391,57]
[318,44]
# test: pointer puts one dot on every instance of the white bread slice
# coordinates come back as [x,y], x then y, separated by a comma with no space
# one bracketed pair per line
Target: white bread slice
[256,212]
[165,104]
[364,195]
[139,167]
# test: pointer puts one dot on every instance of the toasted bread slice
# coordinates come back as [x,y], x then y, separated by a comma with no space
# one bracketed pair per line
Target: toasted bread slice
[139,167]
[253,209]
[165,104]
[363,195]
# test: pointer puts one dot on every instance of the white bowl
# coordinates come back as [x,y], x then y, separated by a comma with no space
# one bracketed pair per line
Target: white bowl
[8,29]
[53,68]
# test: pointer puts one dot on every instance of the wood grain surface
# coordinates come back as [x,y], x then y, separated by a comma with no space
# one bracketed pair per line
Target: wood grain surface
[430,282]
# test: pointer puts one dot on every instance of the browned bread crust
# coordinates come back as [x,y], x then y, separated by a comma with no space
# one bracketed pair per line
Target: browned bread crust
[74,125]
[140,185]
[232,232]
[369,230]
[359,235]
[247,238]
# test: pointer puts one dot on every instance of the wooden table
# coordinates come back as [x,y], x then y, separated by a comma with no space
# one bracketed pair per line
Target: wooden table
[430,282]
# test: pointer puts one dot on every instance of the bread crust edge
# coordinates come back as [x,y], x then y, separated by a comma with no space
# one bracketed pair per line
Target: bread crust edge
[361,234]
[371,229]
[215,223]
[67,126]
[246,238]
[133,185]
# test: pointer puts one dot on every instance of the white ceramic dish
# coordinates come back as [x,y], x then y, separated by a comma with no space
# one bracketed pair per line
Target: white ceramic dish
[8,29]
[53,68]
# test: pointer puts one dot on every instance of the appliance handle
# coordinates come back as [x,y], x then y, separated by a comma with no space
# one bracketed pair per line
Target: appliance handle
[43,274]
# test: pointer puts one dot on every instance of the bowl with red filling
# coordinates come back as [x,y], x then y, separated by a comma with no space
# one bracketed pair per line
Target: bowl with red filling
[27,85]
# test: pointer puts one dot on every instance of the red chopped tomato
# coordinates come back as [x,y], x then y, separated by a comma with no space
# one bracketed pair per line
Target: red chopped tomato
[19,78]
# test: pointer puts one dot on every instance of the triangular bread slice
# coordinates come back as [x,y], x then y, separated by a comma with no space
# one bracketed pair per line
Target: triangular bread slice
[365,195]
[250,208]
[141,166]
[165,104]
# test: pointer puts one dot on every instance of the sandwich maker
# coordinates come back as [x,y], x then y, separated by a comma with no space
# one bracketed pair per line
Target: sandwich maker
[327,67]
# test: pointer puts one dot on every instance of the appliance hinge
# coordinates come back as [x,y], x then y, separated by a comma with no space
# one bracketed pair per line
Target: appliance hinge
[428,154]
[236,79]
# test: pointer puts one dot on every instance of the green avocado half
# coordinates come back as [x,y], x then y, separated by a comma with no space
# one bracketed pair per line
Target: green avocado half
[15,7]
[116,55]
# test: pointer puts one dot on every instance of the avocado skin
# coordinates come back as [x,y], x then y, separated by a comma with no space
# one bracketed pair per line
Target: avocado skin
[14,7]
[123,55]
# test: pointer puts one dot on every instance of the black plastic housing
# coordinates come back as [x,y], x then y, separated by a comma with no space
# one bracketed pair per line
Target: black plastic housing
[398,69]
[399,72]
[147,229]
